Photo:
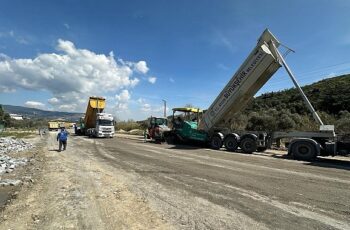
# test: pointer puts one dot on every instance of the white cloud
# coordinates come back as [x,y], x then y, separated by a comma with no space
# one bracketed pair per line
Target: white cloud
[22,41]
[220,39]
[151,110]
[141,100]
[18,38]
[123,100]
[146,107]
[141,67]
[71,75]
[68,107]
[171,80]
[123,96]
[53,101]
[7,34]
[222,66]
[152,80]
[34,104]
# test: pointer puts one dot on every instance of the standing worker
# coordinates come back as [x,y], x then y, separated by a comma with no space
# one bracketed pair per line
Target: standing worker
[62,137]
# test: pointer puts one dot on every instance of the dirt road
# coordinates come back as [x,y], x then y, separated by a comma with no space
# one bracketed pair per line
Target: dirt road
[126,184]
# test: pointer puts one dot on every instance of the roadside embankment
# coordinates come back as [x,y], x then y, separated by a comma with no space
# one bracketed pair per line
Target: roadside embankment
[17,165]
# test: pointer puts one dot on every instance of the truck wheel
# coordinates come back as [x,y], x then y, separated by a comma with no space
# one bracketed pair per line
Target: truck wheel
[231,143]
[303,150]
[248,145]
[158,141]
[171,139]
[216,142]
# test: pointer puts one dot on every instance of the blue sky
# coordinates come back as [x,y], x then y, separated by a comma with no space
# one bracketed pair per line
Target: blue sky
[180,51]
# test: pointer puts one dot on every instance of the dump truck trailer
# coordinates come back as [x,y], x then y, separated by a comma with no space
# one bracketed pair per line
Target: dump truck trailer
[96,123]
[256,70]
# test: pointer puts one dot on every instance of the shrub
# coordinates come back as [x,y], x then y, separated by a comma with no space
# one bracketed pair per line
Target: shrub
[128,125]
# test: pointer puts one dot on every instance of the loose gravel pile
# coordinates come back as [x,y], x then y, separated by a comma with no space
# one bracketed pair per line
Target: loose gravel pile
[9,144]
[8,163]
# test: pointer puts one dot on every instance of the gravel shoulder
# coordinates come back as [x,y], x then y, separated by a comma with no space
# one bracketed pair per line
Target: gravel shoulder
[75,191]
[18,164]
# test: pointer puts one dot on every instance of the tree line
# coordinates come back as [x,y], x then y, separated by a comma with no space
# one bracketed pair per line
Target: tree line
[285,110]
[5,120]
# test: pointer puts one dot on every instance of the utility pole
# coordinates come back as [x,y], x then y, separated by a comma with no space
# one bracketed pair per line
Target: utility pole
[164,107]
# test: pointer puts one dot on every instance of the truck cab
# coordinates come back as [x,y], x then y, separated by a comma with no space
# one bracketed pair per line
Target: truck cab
[104,126]
[156,128]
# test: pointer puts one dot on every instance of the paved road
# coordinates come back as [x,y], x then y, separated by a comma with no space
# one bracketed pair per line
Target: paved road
[207,189]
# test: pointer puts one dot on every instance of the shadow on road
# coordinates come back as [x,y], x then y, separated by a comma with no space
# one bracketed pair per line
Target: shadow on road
[320,162]
[237,151]
[330,163]
[53,150]
[187,147]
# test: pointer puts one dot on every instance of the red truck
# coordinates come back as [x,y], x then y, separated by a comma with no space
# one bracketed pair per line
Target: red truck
[156,128]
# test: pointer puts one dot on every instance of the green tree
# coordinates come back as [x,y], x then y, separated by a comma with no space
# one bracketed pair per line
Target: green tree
[2,112]
[342,125]
[7,119]
[261,122]
[285,122]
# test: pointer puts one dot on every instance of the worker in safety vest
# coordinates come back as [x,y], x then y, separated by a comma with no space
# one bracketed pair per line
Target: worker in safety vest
[62,137]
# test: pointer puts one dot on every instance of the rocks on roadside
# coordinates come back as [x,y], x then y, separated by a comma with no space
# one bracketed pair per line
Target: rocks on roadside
[8,163]
[9,182]
[10,144]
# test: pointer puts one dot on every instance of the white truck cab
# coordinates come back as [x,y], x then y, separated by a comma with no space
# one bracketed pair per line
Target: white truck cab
[104,126]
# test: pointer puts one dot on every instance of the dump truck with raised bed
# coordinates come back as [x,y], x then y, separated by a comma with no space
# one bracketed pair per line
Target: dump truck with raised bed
[212,126]
[96,123]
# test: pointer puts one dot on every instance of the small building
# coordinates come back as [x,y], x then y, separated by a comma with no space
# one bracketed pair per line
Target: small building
[16,116]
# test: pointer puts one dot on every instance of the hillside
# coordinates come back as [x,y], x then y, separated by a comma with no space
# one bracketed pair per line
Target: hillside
[285,110]
[330,95]
[42,114]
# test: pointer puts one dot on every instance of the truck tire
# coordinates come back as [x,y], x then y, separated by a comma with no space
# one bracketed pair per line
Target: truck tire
[216,142]
[248,145]
[231,143]
[171,139]
[303,150]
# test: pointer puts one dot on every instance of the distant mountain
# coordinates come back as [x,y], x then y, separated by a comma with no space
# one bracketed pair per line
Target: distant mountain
[38,113]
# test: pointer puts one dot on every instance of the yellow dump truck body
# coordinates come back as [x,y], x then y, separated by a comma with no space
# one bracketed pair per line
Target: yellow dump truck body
[95,105]
[53,125]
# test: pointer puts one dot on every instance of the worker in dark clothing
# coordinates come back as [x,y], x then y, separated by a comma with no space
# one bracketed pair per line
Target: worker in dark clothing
[62,137]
